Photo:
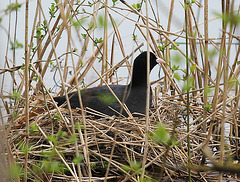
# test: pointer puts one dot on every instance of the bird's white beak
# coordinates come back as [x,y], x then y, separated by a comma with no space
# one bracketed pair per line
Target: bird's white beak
[161,61]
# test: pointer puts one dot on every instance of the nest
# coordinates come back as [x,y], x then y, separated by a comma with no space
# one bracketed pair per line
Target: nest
[111,148]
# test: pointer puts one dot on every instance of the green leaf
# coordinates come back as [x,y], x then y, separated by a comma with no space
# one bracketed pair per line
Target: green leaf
[79,125]
[231,18]
[72,139]
[188,84]
[174,46]
[35,78]
[207,90]
[61,134]
[233,81]
[15,171]
[34,48]
[13,7]
[161,48]
[210,53]
[90,4]
[24,148]
[93,165]
[177,76]
[44,26]
[49,153]
[52,166]
[146,179]
[99,59]
[192,68]
[15,45]
[161,135]
[14,115]
[33,127]
[52,10]
[84,35]
[134,37]
[91,26]
[136,165]
[106,98]
[175,68]
[58,27]
[53,139]
[208,107]
[137,6]
[39,30]
[177,58]
[77,24]
[97,41]
[56,117]
[101,21]
[126,168]
[15,95]
[78,159]
[114,2]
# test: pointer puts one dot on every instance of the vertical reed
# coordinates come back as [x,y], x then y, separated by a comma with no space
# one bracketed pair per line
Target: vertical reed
[206,63]
[26,78]
[187,10]
[146,142]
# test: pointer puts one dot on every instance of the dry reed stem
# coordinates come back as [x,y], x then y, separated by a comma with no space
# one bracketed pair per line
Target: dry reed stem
[73,128]
[206,62]
[146,142]
[26,78]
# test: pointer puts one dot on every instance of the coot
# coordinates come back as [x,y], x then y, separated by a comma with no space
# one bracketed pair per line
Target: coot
[134,94]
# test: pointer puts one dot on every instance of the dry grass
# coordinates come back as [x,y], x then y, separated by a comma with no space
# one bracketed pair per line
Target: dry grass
[49,143]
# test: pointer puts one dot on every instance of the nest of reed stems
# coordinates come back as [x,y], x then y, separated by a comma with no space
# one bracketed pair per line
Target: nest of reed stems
[112,148]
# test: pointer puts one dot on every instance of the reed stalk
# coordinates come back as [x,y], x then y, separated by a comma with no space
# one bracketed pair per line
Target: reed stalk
[206,63]
[187,89]
[26,78]
[146,142]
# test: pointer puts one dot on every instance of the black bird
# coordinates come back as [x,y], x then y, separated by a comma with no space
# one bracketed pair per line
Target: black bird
[134,94]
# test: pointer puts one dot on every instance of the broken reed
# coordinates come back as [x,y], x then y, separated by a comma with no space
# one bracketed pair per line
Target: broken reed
[209,112]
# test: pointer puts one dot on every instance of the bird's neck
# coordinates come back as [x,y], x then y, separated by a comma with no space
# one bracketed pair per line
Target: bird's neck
[139,79]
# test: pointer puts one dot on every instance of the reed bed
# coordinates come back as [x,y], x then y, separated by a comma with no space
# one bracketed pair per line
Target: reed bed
[191,132]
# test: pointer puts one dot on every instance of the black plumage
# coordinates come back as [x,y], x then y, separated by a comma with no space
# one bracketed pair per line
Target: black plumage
[134,94]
